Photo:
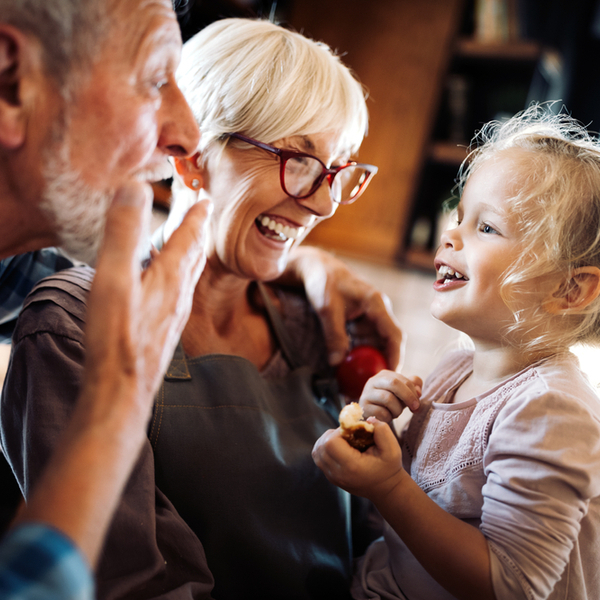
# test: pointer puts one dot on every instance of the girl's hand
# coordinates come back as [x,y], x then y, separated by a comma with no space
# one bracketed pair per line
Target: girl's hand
[388,393]
[371,474]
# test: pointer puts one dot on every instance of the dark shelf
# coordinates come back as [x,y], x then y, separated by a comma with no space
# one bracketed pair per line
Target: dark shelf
[518,50]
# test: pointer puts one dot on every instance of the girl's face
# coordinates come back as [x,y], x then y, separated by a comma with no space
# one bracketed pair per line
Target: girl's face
[474,255]
[248,202]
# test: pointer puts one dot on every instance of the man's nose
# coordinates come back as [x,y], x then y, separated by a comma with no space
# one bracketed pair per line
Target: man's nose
[179,135]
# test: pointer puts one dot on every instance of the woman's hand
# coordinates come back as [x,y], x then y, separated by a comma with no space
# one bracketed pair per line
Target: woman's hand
[372,474]
[388,393]
[340,298]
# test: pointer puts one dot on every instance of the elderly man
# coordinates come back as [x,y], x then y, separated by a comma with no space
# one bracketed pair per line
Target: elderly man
[89,111]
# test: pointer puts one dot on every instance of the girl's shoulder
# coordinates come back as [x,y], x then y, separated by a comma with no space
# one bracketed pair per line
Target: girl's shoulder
[550,415]
[453,367]
[554,387]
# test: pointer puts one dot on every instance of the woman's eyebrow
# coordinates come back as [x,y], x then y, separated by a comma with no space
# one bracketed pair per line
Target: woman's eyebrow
[307,143]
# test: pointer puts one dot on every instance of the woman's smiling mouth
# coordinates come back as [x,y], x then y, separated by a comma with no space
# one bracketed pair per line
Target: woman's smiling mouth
[275,230]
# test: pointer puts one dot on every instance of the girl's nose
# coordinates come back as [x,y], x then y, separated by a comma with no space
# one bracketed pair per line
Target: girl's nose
[450,238]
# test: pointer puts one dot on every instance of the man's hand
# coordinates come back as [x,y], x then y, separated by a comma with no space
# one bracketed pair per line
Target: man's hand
[340,298]
[135,317]
[134,321]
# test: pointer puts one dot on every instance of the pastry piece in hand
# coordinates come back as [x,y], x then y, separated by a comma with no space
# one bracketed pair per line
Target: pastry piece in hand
[357,432]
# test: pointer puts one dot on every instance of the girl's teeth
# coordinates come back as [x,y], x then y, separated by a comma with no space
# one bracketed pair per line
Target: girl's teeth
[284,231]
[446,271]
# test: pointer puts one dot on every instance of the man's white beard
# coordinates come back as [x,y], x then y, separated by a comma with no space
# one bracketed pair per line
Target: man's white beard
[77,211]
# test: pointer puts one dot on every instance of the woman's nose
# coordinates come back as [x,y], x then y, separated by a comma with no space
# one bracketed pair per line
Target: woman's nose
[320,203]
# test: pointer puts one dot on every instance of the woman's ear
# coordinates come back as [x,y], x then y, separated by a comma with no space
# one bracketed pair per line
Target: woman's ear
[190,170]
[575,294]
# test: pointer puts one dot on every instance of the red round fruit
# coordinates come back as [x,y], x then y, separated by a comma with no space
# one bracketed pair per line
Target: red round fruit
[360,364]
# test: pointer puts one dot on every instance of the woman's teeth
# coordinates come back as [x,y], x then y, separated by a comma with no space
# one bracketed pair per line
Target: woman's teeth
[278,230]
[449,272]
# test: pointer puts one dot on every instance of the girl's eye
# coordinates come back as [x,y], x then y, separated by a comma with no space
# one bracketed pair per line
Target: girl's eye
[485,228]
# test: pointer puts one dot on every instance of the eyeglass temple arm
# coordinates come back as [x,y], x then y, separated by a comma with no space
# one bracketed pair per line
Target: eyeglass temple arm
[254,142]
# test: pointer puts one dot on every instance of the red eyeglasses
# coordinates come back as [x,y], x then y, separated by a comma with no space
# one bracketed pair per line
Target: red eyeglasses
[302,174]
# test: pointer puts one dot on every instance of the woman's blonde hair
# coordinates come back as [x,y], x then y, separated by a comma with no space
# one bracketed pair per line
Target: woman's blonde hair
[558,212]
[257,78]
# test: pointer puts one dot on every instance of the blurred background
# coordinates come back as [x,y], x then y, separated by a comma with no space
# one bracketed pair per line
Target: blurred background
[435,71]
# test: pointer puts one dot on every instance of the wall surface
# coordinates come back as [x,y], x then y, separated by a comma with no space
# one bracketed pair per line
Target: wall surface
[399,50]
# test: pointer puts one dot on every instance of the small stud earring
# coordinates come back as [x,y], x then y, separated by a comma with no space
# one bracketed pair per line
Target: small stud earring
[195,183]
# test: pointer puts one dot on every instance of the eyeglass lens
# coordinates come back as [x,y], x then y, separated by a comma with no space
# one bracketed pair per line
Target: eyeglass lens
[301,175]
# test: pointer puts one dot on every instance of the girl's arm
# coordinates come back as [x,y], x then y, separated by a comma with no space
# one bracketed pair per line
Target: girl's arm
[453,552]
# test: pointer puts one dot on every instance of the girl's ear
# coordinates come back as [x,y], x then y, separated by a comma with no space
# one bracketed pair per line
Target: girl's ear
[190,170]
[581,289]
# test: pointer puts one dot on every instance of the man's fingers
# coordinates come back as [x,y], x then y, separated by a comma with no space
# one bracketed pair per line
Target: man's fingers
[185,248]
[124,228]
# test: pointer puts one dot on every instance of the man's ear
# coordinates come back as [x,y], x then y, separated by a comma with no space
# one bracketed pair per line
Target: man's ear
[14,47]
[190,170]
[575,294]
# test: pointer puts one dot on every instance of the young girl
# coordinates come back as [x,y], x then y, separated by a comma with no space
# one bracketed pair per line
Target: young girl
[494,491]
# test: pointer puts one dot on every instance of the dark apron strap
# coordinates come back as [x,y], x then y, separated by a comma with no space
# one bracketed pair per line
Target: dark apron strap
[324,385]
[279,330]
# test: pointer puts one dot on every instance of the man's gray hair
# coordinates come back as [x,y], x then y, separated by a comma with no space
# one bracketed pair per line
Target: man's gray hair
[69,31]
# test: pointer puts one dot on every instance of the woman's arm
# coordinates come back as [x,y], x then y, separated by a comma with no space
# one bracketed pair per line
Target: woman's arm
[340,298]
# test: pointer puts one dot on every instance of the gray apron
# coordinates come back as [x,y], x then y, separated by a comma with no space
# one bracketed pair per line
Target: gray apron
[233,455]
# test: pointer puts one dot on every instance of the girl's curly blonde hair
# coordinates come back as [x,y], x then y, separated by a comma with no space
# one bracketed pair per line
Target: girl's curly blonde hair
[558,212]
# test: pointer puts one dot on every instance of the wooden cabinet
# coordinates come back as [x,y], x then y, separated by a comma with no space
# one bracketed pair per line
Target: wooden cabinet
[485,81]
[400,50]
[431,85]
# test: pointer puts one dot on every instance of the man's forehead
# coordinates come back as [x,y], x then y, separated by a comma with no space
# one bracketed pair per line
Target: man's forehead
[139,4]
[142,23]
[132,9]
